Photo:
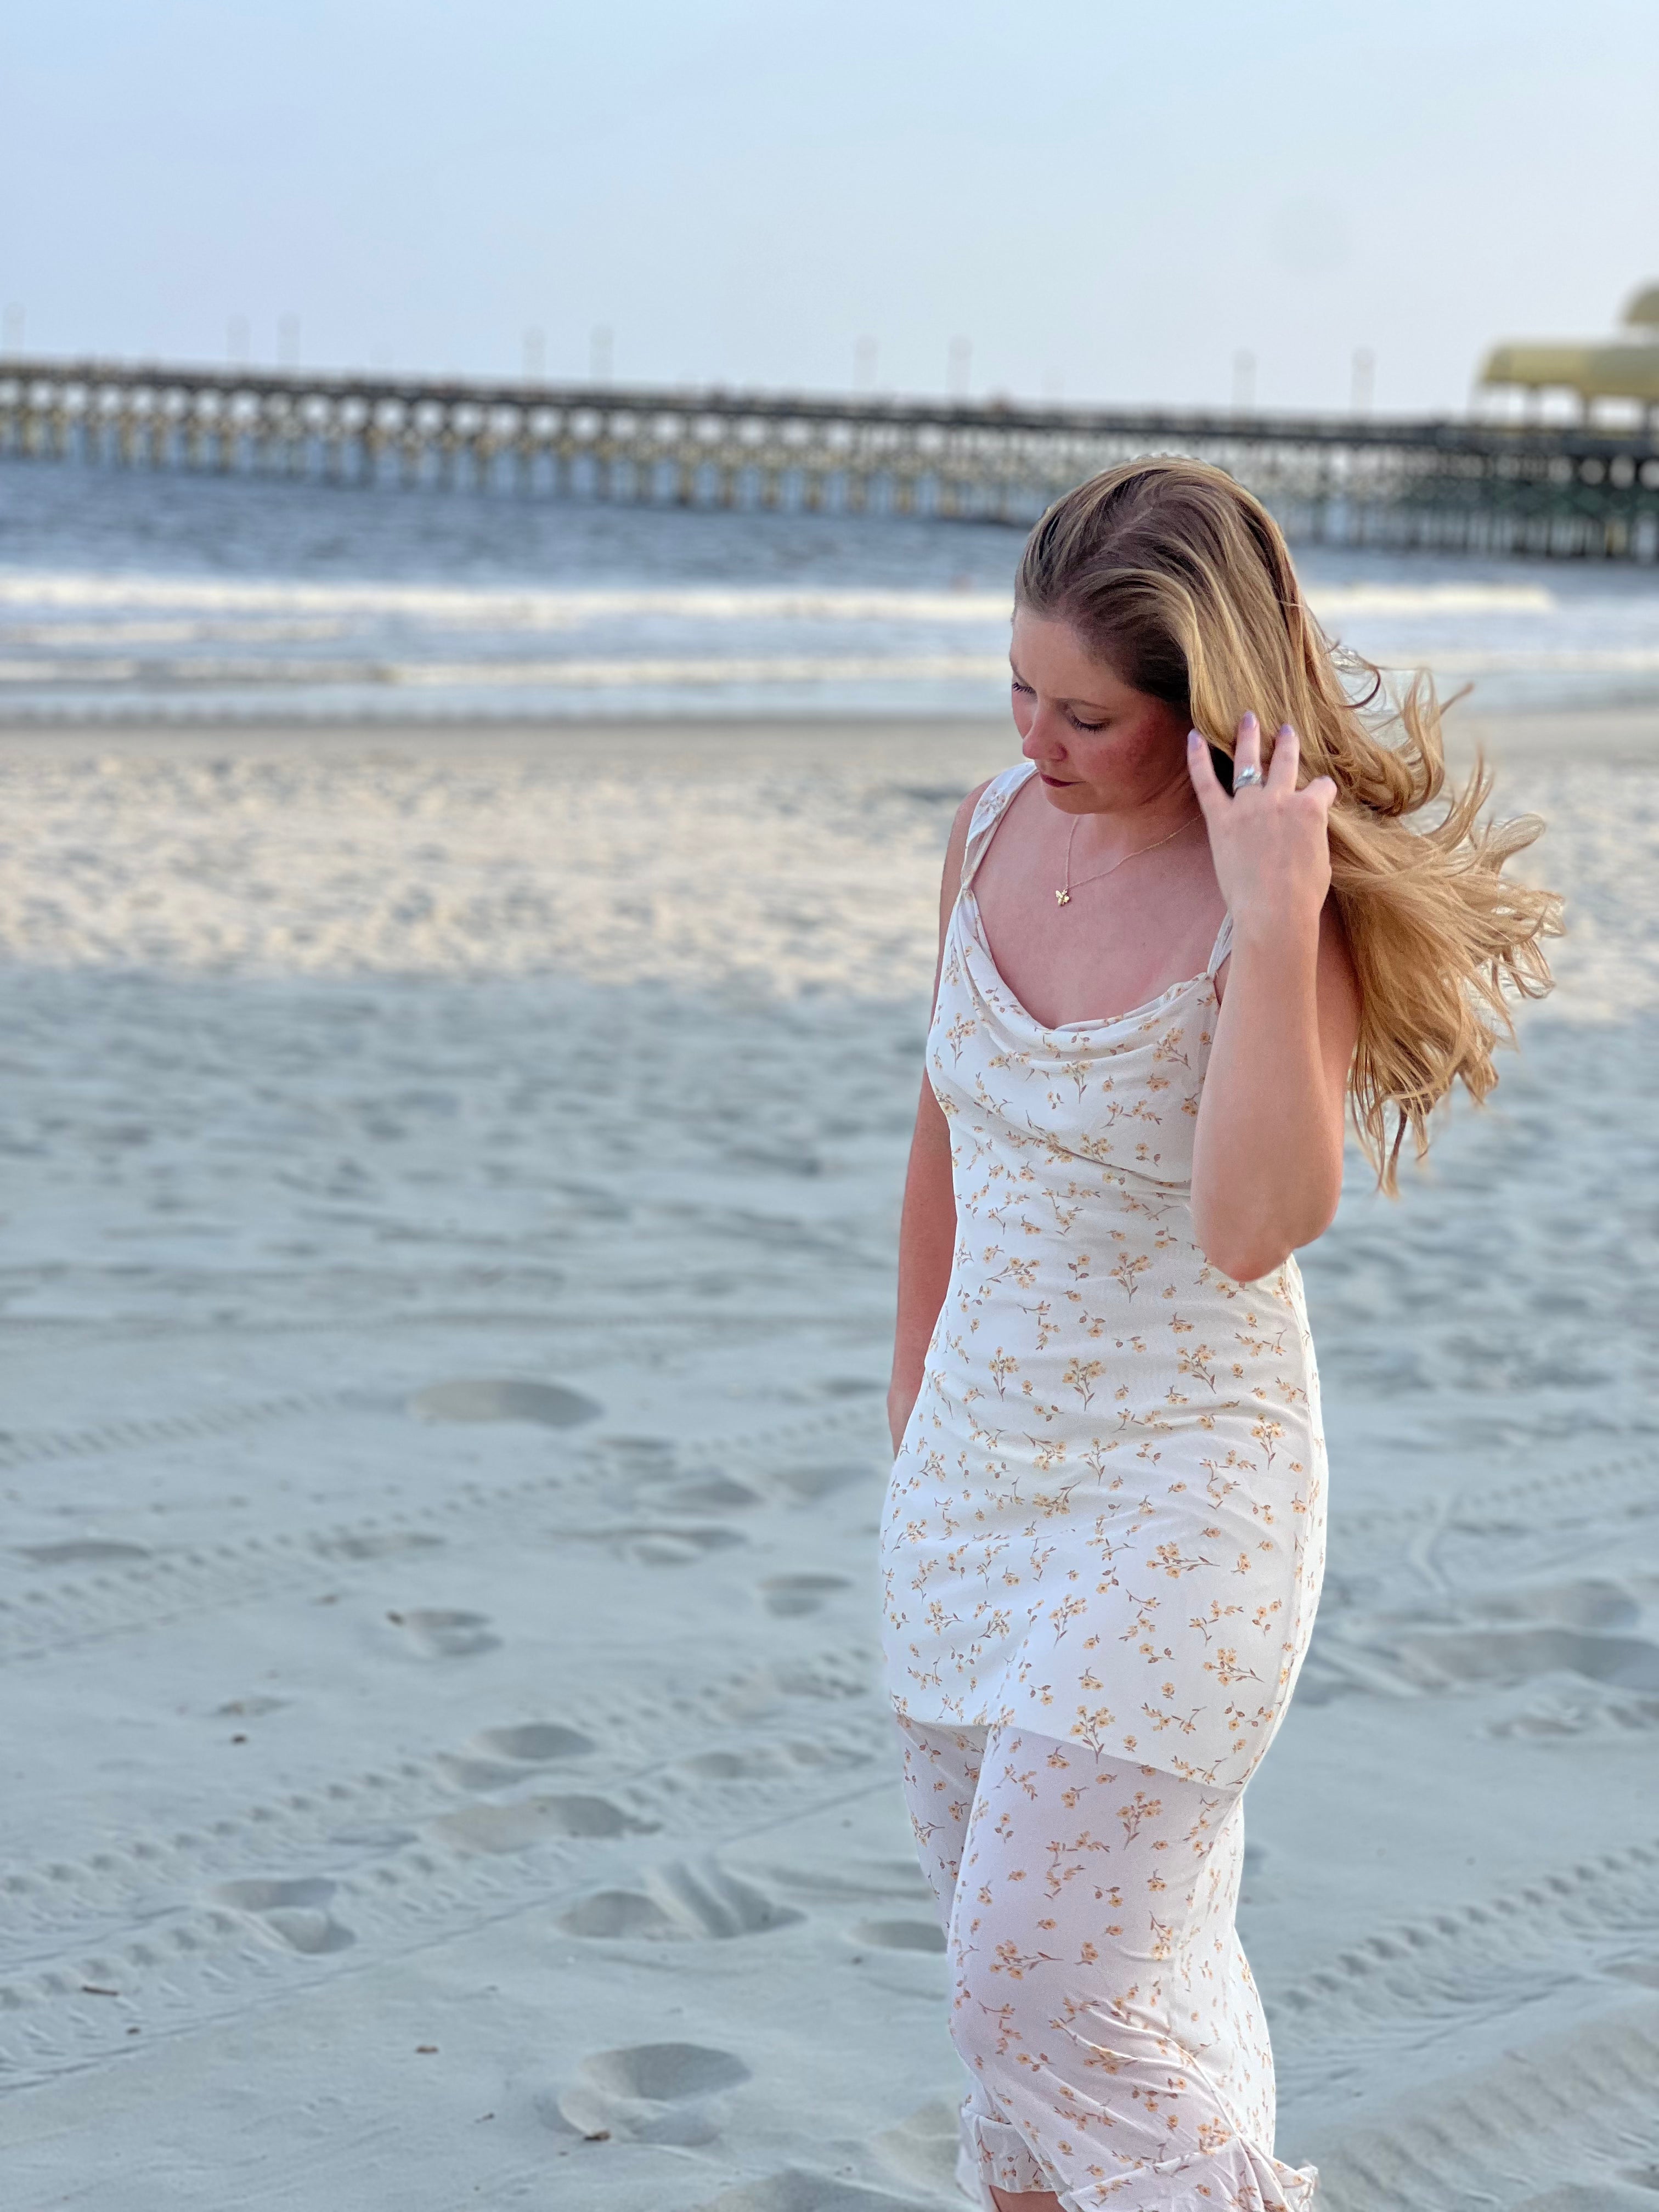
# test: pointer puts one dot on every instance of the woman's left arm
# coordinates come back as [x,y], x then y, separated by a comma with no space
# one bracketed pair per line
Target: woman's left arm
[1267,1156]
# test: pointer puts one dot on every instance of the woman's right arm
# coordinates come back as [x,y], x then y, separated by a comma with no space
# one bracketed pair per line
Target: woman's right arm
[927,1226]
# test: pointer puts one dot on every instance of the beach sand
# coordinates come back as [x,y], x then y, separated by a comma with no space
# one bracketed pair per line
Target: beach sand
[450,1185]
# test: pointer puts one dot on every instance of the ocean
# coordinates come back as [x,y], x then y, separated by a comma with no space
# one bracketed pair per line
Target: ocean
[183,596]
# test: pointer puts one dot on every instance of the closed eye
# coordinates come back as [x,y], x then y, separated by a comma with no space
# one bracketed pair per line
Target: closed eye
[1090,727]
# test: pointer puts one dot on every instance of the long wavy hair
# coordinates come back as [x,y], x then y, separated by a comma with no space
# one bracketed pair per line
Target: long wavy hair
[1176,577]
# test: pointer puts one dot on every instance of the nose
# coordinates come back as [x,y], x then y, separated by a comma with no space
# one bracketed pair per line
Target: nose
[1044,737]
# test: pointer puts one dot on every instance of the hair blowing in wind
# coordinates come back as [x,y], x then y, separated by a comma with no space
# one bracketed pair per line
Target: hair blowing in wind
[1183,582]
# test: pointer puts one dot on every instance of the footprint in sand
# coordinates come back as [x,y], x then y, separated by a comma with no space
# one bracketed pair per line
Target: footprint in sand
[898,1935]
[498,1756]
[294,1913]
[532,1821]
[660,2093]
[1449,1660]
[922,2149]
[375,1544]
[1585,2197]
[797,2190]
[444,1635]
[898,1881]
[831,1678]
[1502,1641]
[379,1836]
[712,1493]
[790,1596]
[1589,1601]
[683,1901]
[486,1398]
[84,1552]
[728,1766]
[620,1914]
[533,1742]
[807,1484]
[668,1547]
[650,1459]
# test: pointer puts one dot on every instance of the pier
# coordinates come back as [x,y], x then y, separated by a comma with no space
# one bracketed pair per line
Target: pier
[1569,490]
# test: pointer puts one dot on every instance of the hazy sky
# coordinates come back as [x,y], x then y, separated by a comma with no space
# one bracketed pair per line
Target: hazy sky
[1109,200]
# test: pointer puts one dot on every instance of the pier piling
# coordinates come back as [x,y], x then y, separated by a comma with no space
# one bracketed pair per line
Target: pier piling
[1566,491]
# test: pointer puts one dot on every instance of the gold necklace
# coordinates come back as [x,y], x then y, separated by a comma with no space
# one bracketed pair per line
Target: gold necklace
[1063,895]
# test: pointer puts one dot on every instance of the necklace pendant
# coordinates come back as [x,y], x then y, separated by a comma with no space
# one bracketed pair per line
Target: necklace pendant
[1062,898]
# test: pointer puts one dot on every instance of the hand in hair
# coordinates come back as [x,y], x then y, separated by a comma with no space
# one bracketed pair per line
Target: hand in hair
[1267,1151]
[1269,842]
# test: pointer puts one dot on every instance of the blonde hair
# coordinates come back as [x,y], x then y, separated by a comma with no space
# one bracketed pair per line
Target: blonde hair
[1181,580]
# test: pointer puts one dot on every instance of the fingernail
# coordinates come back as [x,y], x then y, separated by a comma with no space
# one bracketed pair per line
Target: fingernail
[1248,722]
[1284,730]
[1192,739]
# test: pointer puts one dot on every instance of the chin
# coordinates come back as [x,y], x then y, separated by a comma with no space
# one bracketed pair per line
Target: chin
[1069,797]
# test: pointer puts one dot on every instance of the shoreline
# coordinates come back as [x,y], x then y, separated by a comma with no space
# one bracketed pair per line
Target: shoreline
[716,746]
[1523,734]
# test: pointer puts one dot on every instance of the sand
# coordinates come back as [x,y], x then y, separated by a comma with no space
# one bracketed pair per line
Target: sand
[449,1192]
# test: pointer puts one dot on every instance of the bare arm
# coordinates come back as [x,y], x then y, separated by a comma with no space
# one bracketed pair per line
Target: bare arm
[927,1226]
[1267,1154]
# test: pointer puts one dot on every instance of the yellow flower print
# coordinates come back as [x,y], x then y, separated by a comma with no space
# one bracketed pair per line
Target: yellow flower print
[1098,1405]
[1002,1365]
[1081,1376]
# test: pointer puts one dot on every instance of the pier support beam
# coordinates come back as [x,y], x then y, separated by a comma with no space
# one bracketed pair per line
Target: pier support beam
[1565,490]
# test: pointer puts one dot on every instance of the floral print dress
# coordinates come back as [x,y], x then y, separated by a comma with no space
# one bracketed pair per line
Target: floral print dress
[1106,1519]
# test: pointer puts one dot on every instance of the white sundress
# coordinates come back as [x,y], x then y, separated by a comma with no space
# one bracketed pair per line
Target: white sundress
[1106,1519]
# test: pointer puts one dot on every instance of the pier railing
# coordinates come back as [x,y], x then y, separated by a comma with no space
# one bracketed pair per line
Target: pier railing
[1562,489]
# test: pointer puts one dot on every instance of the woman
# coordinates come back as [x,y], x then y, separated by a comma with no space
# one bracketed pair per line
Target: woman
[1173,951]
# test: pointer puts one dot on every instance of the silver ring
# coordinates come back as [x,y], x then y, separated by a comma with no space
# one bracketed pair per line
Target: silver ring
[1244,777]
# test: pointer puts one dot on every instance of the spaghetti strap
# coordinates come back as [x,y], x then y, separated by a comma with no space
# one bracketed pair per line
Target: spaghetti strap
[993,803]
[1224,945]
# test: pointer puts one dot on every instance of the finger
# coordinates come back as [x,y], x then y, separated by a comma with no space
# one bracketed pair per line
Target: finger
[1247,742]
[1324,791]
[1207,784]
[1287,754]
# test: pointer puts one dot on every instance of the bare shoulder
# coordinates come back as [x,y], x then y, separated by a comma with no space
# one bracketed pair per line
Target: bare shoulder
[964,815]
[957,847]
[965,810]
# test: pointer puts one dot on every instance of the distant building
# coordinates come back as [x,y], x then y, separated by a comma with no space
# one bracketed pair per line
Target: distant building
[1623,367]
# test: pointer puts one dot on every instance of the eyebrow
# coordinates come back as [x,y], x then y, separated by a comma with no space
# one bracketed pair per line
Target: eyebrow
[1094,706]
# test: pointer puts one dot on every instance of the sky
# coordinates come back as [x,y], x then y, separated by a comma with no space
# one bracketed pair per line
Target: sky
[1101,202]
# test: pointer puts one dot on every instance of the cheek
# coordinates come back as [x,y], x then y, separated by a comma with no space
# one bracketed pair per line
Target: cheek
[1096,760]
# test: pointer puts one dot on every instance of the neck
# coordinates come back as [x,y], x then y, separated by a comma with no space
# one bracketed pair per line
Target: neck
[1120,820]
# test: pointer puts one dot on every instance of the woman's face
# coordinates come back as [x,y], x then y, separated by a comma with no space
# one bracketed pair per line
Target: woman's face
[1097,744]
